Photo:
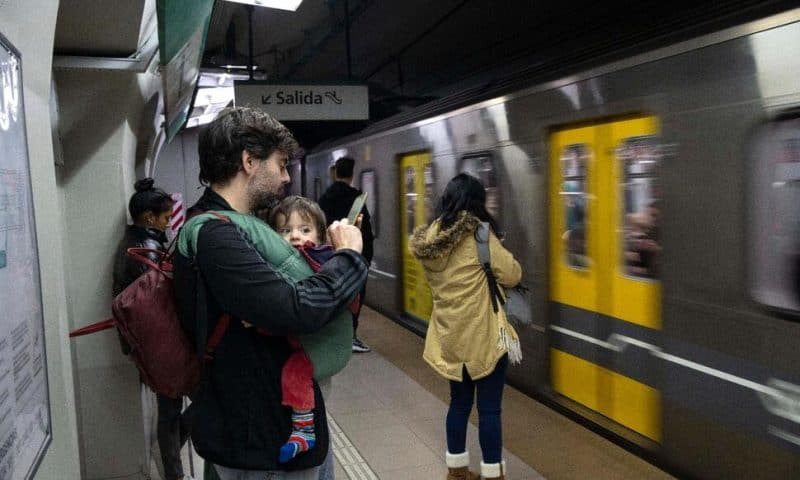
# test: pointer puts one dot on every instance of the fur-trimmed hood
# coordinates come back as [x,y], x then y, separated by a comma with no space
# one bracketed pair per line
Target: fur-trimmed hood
[464,330]
[428,242]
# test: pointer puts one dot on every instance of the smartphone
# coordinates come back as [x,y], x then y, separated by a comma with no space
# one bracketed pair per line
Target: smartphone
[355,210]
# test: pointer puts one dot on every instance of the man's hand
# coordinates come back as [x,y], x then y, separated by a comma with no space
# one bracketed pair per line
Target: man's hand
[343,235]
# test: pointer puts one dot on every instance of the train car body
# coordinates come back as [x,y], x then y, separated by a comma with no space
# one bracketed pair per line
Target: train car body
[653,205]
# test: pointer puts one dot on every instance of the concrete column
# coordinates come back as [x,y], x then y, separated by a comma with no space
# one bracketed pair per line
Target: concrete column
[106,125]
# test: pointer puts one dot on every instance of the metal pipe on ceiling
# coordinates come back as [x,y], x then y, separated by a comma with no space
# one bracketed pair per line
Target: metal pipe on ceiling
[250,65]
[347,39]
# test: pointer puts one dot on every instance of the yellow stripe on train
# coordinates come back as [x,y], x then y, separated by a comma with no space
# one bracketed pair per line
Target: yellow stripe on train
[620,398]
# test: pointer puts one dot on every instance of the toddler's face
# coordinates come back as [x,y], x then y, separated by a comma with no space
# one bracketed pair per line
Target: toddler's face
[297,230]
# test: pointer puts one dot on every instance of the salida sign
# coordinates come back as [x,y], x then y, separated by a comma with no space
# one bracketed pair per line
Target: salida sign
[300,97]
[305,102]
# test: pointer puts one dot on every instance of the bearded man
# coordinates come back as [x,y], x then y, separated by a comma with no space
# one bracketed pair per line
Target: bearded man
[239,423]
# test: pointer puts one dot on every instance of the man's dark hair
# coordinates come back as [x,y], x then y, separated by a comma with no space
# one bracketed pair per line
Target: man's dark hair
[344,167]
[234,131]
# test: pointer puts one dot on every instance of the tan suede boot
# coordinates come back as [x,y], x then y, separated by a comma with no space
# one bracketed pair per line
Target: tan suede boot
[493,471]
[461,473]
[458,467]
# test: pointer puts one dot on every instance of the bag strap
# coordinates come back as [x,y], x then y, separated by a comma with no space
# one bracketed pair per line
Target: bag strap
[171,248]
[216,336]
[93,328]
[219,216]
[206,345]
[140,255]
[485,259]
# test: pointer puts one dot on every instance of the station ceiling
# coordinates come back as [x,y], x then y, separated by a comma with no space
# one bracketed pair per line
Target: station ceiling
[410,52]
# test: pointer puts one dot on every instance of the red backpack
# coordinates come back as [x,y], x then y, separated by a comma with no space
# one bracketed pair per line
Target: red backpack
[145,315]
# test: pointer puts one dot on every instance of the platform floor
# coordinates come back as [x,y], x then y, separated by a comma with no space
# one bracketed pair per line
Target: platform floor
[387,411]
[393,386]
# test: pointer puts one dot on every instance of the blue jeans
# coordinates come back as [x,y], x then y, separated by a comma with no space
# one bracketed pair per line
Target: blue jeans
[490,397]
[225,473]
[326,470]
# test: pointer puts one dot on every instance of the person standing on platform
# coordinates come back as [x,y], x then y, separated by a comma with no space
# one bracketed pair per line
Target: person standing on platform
[239,423]
[150,209]
[336,202]
[467,342]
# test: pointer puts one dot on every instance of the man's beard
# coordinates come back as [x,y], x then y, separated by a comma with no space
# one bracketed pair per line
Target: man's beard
[265,197]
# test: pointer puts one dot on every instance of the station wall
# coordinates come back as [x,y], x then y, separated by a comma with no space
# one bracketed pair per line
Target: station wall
[30,25]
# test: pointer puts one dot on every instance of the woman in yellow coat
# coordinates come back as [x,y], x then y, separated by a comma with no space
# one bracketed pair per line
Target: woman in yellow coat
[467,342]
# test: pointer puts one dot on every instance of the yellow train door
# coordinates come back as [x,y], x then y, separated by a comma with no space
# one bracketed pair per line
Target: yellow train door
[604,257]
[416,195]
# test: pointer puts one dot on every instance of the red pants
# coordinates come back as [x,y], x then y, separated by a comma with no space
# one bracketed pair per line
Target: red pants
[297,384]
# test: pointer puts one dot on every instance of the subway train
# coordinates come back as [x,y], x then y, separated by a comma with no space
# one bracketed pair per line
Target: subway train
[653,203]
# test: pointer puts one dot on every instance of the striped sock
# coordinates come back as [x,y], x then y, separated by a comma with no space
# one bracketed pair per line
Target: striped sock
[302,438]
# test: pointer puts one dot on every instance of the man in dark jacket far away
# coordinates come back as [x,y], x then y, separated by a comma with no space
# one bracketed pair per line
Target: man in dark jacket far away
[336,203]
[239,423]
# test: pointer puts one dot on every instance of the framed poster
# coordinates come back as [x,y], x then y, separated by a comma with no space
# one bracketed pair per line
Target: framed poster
[25,427]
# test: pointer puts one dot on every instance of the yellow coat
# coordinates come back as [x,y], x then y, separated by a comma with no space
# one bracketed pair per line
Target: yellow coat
[464,330]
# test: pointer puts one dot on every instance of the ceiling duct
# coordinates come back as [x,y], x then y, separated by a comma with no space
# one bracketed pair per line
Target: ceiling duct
[106,35]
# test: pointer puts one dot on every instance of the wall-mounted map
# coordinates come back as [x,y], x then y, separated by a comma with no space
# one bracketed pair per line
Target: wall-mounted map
[24,402]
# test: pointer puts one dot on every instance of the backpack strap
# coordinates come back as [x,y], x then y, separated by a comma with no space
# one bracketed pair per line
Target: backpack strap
[140,255]
[95,327]
[485,259]
[206,345]
[220,216]
[216,336]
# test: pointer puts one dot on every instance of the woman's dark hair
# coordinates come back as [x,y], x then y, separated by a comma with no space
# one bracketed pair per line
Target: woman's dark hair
[464,193]
[148,199]
[236,130]
[306,208]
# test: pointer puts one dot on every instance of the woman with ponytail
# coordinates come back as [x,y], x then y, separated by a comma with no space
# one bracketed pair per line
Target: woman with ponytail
[150,209]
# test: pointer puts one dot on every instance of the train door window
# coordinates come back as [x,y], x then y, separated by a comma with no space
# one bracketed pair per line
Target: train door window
[482,166]
[367,182]
[317,189]
[430,184]
[574,164]
[638,158]
[411,199]
[774,228]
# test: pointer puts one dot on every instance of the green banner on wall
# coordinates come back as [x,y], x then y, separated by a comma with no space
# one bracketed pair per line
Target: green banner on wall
[182,30]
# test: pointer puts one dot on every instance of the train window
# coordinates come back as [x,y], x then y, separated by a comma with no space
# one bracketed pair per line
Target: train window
[430,184]
[639,158]
[574,164]
[367,182]
[482,167]
[411,198]
[774,226]
[317,189]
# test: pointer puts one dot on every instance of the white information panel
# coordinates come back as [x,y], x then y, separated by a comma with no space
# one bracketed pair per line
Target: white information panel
[24,403]
[304,102]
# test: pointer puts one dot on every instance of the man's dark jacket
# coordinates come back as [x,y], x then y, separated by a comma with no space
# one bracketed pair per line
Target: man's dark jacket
[238,419]
[336,203]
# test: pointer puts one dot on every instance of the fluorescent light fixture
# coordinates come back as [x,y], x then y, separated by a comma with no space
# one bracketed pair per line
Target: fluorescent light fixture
[279,4]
